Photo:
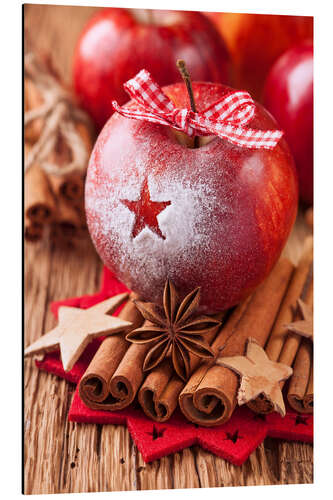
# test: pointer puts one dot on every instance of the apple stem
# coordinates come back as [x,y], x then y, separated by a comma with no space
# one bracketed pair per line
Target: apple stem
[187,79]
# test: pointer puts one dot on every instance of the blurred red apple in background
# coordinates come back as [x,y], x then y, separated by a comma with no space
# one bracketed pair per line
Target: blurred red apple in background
[117,43]
[255,41]
[217,216]
[288,95]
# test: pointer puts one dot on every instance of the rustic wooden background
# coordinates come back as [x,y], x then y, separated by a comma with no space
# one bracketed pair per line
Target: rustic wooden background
[61,456]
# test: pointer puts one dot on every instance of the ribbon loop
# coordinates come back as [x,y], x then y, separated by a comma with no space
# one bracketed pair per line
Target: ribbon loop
[228,118]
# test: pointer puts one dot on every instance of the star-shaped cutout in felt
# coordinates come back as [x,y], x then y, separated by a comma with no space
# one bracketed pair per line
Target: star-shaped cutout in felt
[156,433]
[293,426]
[233,437]
[301,420]
[146,211]
[258,375]
[303,327]
[78,327]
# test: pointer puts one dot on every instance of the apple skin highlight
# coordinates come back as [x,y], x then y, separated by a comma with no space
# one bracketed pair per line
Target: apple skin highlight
[231,209]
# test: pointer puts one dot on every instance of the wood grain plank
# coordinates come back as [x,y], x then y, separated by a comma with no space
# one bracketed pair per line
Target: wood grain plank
[272,456]
[206,468]
[80,466]
[216,472]
[116,454]
[47,399]
[157,475]
[296,463]
[257,470]
[184,469]
[79,272]
[36,291]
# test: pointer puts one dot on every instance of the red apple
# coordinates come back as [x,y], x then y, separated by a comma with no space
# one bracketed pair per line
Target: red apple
[288,96]
[117,43]
[217,216]
[255,41]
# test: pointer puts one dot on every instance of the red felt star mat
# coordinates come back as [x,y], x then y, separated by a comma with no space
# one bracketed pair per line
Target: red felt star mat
[234,441]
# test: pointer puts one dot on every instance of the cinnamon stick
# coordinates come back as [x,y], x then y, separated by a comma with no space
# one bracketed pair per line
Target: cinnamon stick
[60,137]
[39,204]
[83,230]
[115,373]
[282,345]
[128,377]
[60,238]
[32,100]
[159,393]
[209,398]
[69,225]
[33,231]
[67,221]
[308,397]
[293,340]
[300,391]
[71,187]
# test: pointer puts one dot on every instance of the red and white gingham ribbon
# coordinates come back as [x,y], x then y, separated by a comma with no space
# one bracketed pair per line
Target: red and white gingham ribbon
[225,118]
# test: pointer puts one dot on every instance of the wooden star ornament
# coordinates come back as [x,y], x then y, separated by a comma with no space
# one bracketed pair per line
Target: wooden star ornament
[259,375]
[304,326]
[78,327]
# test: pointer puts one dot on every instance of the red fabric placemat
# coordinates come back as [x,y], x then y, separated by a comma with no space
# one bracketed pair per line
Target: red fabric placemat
[234,441]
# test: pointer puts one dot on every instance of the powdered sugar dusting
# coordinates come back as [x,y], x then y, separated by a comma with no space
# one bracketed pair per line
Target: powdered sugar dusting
[186,225]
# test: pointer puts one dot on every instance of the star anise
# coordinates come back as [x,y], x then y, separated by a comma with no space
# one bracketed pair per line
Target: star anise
[173,329]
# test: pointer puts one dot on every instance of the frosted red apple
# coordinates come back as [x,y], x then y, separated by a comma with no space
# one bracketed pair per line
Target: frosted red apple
[217,216]
[117,43]
[288,95]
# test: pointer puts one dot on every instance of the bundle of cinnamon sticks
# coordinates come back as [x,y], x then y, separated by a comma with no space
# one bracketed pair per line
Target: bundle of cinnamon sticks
[290,348]
[58,142]
[115,376]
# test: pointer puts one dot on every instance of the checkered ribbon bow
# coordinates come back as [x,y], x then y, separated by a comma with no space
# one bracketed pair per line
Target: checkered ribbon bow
[226,118]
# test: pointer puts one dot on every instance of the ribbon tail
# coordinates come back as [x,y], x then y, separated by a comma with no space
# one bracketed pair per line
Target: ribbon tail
[244,137]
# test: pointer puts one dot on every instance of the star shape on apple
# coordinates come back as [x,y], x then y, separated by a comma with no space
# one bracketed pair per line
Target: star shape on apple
[304,326]
[259,375]
[78,327]
[146,211]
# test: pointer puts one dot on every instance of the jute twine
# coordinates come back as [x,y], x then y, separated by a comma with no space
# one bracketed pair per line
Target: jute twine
[59,115]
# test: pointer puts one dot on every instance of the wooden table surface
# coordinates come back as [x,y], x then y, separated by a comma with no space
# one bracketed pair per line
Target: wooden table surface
[62,456]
